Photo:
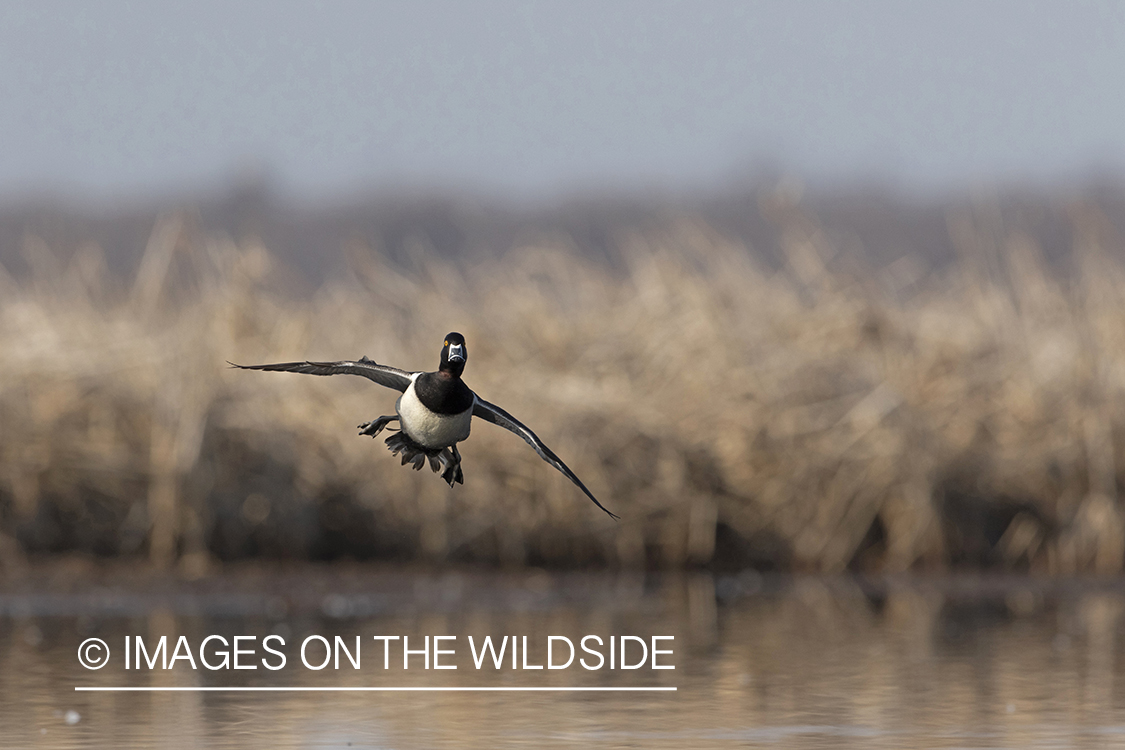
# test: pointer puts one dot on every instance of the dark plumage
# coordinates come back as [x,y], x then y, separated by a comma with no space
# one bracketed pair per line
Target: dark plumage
[434,412]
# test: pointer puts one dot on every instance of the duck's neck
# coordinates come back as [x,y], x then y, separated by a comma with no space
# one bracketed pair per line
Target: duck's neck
[451,370]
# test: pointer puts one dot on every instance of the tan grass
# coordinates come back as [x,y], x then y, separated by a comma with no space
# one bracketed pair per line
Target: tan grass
[804,411]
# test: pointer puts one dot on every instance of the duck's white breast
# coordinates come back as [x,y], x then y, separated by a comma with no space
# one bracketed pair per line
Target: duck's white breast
[428,428]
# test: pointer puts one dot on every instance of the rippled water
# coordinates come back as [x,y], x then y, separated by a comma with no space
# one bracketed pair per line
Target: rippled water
[785,663]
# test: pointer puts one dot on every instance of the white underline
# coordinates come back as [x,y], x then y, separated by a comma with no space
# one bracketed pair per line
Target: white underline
[368,689]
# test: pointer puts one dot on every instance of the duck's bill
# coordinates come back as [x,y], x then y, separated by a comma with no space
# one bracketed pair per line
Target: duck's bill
[456,353]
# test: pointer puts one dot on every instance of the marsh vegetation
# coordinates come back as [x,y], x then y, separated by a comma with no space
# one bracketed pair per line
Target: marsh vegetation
[811,411]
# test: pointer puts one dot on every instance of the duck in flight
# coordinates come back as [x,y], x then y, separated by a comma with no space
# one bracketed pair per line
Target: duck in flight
[434,412]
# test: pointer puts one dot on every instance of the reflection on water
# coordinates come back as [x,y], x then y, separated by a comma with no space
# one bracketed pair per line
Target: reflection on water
[787,663]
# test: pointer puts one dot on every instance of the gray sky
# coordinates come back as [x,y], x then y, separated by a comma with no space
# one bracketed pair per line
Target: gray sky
[113,99]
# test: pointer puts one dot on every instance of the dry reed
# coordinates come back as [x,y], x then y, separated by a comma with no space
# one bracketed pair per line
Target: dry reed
[803,418]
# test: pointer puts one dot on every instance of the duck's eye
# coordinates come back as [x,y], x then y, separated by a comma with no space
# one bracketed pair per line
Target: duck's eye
[447,343]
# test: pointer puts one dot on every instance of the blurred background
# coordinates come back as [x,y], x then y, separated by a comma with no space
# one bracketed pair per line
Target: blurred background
[825,300]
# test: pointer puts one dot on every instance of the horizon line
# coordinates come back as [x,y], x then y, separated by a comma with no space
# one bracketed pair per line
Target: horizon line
[314,689]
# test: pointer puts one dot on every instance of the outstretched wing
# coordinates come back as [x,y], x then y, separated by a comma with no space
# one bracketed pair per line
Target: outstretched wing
[493,413]
[391,377]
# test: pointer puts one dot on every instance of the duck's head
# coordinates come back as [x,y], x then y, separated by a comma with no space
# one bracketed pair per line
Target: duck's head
[454,354]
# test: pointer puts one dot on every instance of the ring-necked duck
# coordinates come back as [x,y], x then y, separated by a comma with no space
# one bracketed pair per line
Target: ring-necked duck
[434,412]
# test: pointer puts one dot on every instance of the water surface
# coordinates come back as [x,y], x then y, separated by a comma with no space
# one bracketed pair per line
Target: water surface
[760,662]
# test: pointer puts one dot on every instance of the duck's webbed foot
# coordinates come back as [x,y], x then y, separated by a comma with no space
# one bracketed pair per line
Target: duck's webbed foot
[376,426]
[451,459]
